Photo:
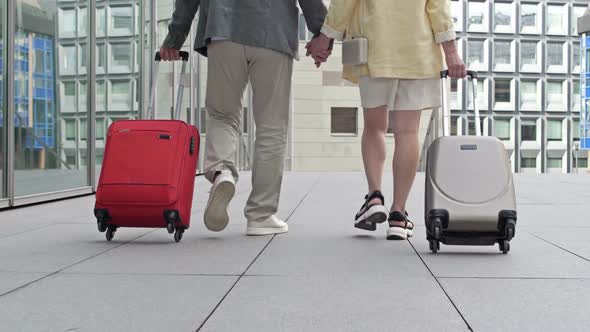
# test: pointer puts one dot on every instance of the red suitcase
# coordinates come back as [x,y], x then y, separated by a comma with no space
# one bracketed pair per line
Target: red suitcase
[148,172]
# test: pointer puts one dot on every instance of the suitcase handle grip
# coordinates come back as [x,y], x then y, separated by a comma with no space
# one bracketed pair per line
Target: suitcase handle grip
[445,73]
[183,55]
[151,113]
[472,75]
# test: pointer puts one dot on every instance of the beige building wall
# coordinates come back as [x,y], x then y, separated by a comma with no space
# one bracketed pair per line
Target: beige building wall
[315,92]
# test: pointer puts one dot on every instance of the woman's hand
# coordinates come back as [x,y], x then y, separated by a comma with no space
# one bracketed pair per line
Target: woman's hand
[455,65]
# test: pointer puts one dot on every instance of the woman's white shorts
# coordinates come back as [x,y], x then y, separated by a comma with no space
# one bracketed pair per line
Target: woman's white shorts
[400,94]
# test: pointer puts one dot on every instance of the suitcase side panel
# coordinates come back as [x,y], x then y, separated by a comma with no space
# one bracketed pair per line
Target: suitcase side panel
[481,215]
[189,170]
[143,205]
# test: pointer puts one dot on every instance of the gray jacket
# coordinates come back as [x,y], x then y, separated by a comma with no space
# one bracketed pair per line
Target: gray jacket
[270,24]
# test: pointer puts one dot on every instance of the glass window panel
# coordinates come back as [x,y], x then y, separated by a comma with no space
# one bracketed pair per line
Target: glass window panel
[502,52]
[528,162]
[581,162]
[47,60]
[554,92]
[70,129]
[101,56]
[122,18]
[555,20]
[82,21]
[120,95]
[83,131]
[344,120]
[83,97]
[100,128]
[554,130]
[203,118]
[67,26]
[576,130]
[554,162]
[576,57]
[502,91]
[69,89]
[477,16]
[528,17]
[101,21]
[503,17]
[68,59]
[528,131]
[121,54]
[83,55]
[528,53]
[555,54]
[475,53]
[502,129]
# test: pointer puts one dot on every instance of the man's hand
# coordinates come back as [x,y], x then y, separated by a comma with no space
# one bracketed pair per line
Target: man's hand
[169,54]
[319,49]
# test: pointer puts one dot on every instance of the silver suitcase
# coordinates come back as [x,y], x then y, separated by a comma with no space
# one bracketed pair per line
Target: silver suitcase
[469,194]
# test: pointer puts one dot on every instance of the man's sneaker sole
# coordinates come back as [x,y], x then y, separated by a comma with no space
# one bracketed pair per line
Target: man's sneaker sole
[376,214]
[216,215]
[397,233]
[409,232]
[256,231]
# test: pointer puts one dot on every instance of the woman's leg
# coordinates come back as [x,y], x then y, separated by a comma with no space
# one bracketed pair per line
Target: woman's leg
[406,156]
[373,146]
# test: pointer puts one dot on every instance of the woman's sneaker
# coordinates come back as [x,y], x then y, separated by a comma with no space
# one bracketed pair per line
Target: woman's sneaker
[398,223]
[371,214]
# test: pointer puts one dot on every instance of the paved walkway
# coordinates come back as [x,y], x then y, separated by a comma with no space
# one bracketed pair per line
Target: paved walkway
[57,273]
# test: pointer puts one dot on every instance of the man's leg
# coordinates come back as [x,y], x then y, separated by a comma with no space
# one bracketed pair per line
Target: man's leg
[227,78]
[270,76]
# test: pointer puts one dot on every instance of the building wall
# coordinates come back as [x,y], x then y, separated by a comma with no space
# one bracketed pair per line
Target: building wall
[527,55]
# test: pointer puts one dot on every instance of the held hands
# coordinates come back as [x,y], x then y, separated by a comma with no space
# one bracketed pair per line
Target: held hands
[319,48]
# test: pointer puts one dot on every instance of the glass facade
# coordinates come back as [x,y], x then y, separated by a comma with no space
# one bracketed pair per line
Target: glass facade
[527,54]
[63,105]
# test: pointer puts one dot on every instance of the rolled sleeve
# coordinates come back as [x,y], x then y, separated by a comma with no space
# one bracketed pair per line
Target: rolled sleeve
[332,33]
[338,19]
[441,21]
[446,36]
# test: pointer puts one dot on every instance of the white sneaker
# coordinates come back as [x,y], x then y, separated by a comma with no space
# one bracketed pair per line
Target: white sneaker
[216,215]
[272,225]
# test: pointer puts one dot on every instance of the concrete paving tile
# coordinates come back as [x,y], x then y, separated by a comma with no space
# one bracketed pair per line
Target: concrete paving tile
[339,303]
[12,280]
[528,257]
[522,305]
[199,252]
[57,246]
[574,240]
[113,303]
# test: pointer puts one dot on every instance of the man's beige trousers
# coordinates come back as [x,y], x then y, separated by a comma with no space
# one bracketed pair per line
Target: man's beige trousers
[230,66]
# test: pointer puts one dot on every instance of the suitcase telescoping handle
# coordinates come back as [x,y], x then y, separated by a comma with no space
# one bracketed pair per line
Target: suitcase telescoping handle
[472,76]
[178,105]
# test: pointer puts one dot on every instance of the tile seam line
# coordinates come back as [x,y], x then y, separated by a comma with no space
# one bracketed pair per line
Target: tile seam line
[26,231]
[560,247]
[441,287]
[254,260]
[74,264]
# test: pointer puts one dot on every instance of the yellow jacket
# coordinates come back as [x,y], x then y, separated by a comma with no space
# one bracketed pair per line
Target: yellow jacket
[404,36]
